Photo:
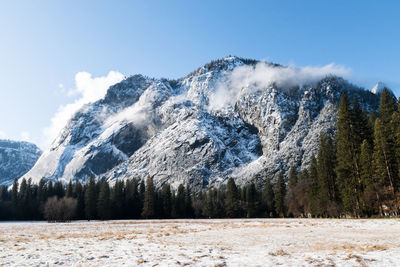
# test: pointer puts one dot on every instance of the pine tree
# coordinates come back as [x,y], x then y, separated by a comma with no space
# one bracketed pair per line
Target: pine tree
[268,199]
[166,200]
[208,210]
[3,193]
[14,198]
[219,200]
[292,177]
[69,191]
[41,195]
[252,205]
[80,197]
[359,126]
[23,200]
[370,187]
[368,128]
[198,204]
[384,142]
[158,205]
[132,199]
[180,211]
[58,189]
[118,200]
[50,189]
[280,192]
[290,198]
[232,204]
[347,154]
[90,200]
[149,200]
[142,191]
[396,137]
[327,192]
[366,164]
[33,200]
[104,202]
[188,203]
[302,194]
[384,160]
[387,106]
[313,193]
[371,123]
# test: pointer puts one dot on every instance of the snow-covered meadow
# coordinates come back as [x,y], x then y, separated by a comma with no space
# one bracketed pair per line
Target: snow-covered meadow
[254,242]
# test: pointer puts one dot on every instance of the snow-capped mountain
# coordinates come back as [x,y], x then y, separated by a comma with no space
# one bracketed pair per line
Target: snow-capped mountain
[202,129]
[16,158]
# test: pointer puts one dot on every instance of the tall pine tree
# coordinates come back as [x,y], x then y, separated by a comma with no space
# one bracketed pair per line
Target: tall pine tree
[327,191]
[232,204]
[166,200]
[279,193]
[348,169]
[104,202]
[188,203]
[252,201]
[313,193]
[268,199]
[149,200]
[91,200]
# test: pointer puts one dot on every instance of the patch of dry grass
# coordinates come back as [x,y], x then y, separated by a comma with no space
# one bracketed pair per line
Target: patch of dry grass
[279,252]
[360,260]
[344,247]
[100,236]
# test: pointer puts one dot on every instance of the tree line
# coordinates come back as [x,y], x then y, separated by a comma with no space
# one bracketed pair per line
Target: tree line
[133,200]
[355,174]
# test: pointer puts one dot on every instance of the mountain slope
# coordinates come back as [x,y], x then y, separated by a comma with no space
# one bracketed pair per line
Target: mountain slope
[16,158]
[200,129]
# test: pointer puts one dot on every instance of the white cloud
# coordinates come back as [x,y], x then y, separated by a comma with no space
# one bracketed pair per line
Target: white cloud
[139,114]
[3,135]
[25,136]
[87,90]
[135,114]
[264,75]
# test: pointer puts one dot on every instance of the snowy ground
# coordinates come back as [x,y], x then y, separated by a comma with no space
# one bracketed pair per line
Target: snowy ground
[263,242]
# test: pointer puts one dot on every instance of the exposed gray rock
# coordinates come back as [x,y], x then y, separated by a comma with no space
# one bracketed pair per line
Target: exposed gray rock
[16,158]
[167,129]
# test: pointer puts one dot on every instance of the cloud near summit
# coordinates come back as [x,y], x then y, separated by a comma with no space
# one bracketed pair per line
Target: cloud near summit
[263,75]
[87,89]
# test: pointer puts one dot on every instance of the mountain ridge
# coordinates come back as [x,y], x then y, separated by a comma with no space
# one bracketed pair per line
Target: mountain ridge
[170,130]
[16,159]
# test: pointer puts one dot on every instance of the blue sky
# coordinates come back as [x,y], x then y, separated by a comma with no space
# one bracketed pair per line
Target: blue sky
[44,44]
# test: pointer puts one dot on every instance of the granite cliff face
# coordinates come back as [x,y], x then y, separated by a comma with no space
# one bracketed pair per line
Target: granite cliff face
[16,158]
[174,131]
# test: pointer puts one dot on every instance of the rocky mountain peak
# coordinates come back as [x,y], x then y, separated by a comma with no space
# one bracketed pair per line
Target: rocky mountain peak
[198,130]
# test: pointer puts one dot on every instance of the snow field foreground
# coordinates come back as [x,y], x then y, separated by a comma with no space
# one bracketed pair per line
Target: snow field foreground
[241,242]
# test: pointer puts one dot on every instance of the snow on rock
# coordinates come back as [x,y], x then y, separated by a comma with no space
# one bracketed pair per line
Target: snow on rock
[16,158]
[378,87]
[201,129]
